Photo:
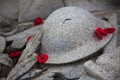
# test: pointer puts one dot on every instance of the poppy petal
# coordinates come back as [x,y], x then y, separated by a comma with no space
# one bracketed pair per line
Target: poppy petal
[42,58]
[28,38]
[109,30]
[14,54]
[38,21]
[101,31]
[99,35]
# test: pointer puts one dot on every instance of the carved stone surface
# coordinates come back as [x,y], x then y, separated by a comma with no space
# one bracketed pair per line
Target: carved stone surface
[2,78]
[46,76]
[110,61]
[92,5]
[6,64]
[69,35]
[9,8]
[6,60]
[86,77]
[70,71]
[17,44]
[27,59]
[24,26]
[32,74]
[31,9]
[22,67]
[98,72]
[25,34]
[2,44]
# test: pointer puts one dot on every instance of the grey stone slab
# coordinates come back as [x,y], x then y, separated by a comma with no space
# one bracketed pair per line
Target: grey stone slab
[4,71]
[32,46]
[24,26]
[92,5]
[70,71]
[118,78]
[110,61]
[9,8]
[118,37]
[17,44]
[69,35]
[47,76]
[98,72]
[27,59]
[6,64]
[6,60]
[2,78]
[2,44]
[22,67]
[31,74]
[7,25]
[31,9]
[25,34]
[86,77]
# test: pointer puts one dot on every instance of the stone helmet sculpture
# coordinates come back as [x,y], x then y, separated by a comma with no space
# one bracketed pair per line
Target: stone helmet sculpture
[69,35]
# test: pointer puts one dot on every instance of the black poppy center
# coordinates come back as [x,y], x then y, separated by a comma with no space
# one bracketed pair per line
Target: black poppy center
[42,58]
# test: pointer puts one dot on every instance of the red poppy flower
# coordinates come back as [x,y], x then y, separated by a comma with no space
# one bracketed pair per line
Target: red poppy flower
[100,30]
[14,54]
[42,58]
[28,38]
[38,21]
[109,30]
[99,34]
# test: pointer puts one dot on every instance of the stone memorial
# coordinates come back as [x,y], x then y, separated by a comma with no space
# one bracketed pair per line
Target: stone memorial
[59,40]
[69,35]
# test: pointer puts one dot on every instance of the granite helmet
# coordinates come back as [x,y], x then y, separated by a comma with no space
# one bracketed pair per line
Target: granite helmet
[69,35]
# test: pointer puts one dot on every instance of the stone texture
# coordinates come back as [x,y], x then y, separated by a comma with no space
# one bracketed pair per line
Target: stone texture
[4,71]
[7,26]
[46,76]
[118,78]
[92,5]
[24,34]
[9,8]
[24,26]
[22,67]
[30,9]
[62,72]
[86,77]
[32,46]
[70,71]
[73,28]
[17,44]
[2,78]
[110,60]
[6,64]
[118,37]
[27,59]
[32,74]
[6,60]
[98,72]
[2,44]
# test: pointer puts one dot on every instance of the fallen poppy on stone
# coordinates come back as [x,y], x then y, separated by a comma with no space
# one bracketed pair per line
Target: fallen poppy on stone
[14,54]
[28,38]
[109,30]
[99,34]
[42,58]
[100,30]
[38,21]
